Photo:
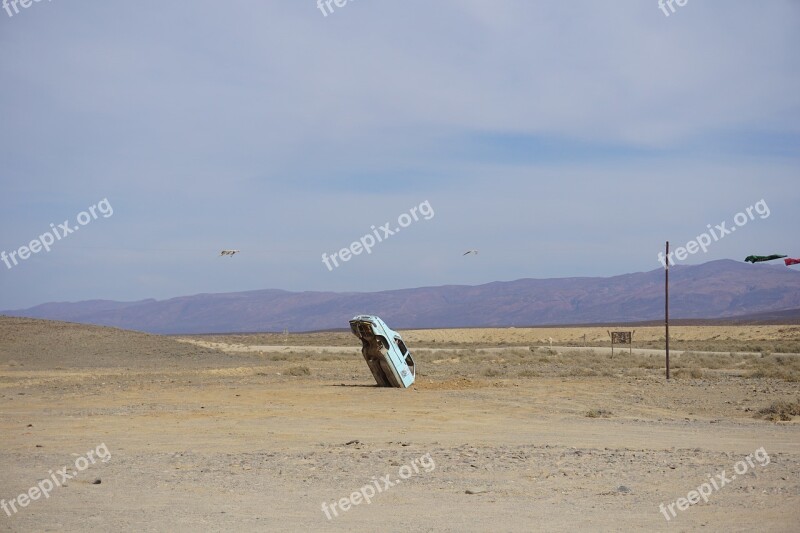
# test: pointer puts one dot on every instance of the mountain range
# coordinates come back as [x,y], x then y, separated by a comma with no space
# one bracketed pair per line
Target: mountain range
[713,290]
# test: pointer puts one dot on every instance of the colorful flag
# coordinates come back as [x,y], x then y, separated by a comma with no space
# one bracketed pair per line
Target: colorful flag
[762,258]
[791,261]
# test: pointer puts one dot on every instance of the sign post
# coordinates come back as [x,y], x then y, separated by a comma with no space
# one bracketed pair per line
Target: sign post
[621,337]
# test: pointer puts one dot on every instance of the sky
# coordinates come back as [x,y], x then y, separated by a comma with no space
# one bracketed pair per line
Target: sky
[558,138]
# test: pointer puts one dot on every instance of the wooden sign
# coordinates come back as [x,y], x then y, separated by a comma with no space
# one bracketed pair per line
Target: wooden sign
[621,337]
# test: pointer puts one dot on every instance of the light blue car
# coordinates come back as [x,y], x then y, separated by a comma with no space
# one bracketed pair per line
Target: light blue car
[385,352]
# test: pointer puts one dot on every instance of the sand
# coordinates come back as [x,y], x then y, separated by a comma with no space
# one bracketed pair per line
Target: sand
[223,437]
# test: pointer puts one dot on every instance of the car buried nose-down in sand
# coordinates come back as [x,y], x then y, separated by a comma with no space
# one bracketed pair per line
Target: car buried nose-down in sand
[385,352]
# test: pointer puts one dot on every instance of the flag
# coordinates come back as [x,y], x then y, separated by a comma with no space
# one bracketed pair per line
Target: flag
[762,258]
[791,261]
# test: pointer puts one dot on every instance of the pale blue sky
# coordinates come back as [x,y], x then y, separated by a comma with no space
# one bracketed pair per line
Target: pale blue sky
[559,138]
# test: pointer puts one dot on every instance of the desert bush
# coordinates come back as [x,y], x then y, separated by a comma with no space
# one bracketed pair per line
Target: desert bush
[578,372]
[775,373]
[298,371]
[635,372]
[598,413]
[649,362]
[789,347]
[786,368]
[780,411]
[518,355]
[684,373]
[711,361]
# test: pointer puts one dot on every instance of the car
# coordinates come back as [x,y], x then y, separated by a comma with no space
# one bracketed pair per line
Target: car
[384,351]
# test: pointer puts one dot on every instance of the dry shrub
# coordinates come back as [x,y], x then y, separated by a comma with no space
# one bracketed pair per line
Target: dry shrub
[685,373]
[713,362]
[793,347]
[649,362]
[780,410]
[578,372]
[492,372]
[598,413]
[783,367]
[298,371]
[517,355]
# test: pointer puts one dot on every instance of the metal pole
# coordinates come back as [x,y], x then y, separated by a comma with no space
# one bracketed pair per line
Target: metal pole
[666,307]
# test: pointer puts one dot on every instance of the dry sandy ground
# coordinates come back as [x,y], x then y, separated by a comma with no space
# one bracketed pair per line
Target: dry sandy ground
[597,336]
[220,440]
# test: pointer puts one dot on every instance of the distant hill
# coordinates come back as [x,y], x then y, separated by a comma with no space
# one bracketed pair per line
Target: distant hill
[42,344]
[713,290]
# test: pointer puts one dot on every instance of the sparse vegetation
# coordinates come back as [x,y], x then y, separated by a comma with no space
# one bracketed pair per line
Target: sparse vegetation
[526,352]
[780,411]
[544,420]
[731,338]
[684,373]
[786,368]
[492,372]
[298,371]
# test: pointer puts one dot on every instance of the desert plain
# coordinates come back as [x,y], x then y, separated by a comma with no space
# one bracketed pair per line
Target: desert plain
[519,429]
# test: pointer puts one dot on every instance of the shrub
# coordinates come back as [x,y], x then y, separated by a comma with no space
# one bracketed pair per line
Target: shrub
[682,373]
[780,411]
[298,371]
